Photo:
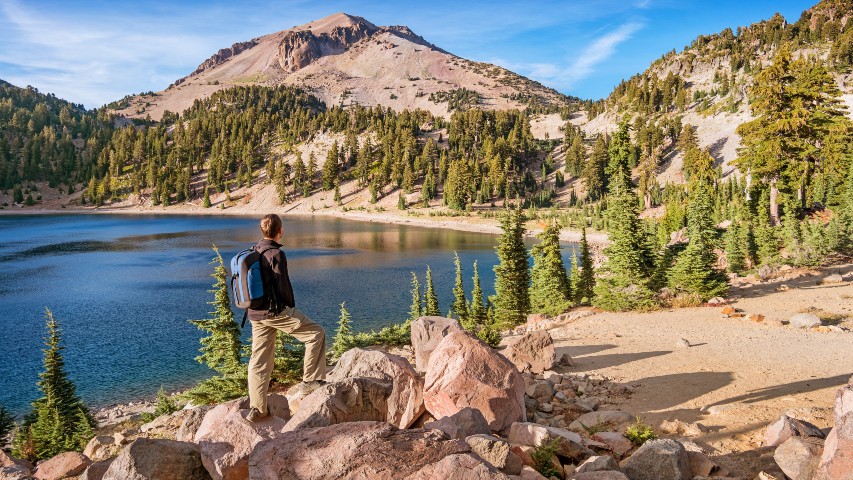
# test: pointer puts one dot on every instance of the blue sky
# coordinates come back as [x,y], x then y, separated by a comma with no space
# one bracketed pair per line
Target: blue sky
[98,51]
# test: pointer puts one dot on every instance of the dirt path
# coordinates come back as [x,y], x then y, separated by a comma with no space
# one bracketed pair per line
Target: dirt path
[737,376]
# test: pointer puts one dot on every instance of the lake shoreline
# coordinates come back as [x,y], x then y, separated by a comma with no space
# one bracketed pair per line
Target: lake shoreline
[473,224]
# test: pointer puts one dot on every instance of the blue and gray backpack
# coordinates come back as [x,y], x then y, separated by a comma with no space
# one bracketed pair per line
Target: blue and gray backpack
[247,281]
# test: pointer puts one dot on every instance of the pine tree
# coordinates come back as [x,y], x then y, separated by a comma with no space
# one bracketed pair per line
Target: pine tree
[694,272]
[416,309]
[59,417]
[593,171]
[343,340]
[550,291]
[477,306]
[460,304]
[331,168]
[735,249]
[583,288]
[220,350]
[401,201]
[431,307]
[619,153]
[624,276]
[206,202]
[512,275]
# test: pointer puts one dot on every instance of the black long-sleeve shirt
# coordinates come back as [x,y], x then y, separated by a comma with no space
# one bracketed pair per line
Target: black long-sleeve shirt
[274,263]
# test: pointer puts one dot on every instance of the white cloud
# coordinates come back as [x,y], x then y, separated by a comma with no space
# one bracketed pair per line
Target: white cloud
[561,76]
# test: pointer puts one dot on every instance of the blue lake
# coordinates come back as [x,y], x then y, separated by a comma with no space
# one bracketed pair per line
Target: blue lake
[124,286]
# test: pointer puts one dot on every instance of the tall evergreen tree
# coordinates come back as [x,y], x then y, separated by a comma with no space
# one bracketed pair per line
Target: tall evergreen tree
[331,168]
[431,307]
[583,288]
[460,304]
[512,275]
[624,276]
[416,309]
[477,306]
[220,349]
[619,154]
[694,272]
[59,418]
[593,172]
[343,340]
[550,291]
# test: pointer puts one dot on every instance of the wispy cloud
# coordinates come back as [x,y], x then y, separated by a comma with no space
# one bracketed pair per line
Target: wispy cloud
[583,65]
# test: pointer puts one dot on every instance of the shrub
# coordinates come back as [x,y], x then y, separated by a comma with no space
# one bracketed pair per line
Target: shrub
[639,433]
[543,459]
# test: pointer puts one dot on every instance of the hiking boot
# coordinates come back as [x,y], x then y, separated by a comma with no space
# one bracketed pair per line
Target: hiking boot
[255,415]
[305,388]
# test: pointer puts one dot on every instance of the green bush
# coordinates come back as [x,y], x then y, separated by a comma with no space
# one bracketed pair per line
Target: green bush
[639,433]
[543,459]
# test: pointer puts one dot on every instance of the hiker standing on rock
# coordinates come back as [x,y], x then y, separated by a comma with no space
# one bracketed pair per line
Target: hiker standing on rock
[279,313]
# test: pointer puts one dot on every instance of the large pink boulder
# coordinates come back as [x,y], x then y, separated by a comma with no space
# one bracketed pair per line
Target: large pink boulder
[461,466]
[226,438]
[150,458]
[368,450]
[350,400]
[786,427]
[406,402]
[64,465]
[465,372]
[532,352]
[427,333]
[836,463]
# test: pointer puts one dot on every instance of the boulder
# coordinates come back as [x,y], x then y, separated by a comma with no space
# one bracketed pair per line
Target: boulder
[460,466]
[541,391]
[465,422]
[165,424]
[465,372]
[804,320]
[661,459]
[97,470]
[798,457]
[405,403]
[497,452]
[836,463]
[786,427]
[528,473]
[427,333]
[375,450]
[569,444]
[612,418]
[64,465]
[601,475]
[834,278]
[15,472]
[350,400]
[226,438]
[700,464]
[7,460]
[150,458]
[597,463]
[615,441]
[189,427]
[101,447]
[532,352]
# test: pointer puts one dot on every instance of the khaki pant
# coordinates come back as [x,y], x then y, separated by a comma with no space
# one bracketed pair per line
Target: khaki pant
[293,322]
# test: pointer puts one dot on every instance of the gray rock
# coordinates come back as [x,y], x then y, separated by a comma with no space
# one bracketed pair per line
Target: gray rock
[804,320]
[15,472]
[148,458]
[427,333]
[541,391]
[349,400]
[189,427]
[786,427]
[97,470]
[496,451]
[662,459]
[613,418]
[597,463]
[569,444]
[798,457]
[601,475]
[465,422]
[834,278]
[532,352]
[765,272]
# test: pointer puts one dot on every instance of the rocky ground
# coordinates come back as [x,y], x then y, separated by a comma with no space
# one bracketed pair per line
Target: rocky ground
[753,387]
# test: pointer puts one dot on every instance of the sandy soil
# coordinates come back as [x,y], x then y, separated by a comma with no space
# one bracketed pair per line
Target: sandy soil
[738,375]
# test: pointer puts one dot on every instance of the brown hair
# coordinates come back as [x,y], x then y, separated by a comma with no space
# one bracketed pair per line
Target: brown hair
[270,225]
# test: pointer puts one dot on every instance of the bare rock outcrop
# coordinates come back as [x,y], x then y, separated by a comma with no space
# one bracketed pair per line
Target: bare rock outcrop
[64,465]
[349,400]
[427,332]
[405,402]
[532,352]
[375,450]
[149,458]
[836,463]
[662,459]
[465,372]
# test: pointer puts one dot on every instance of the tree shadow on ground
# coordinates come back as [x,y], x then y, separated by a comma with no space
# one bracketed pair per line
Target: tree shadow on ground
[793,388]
[666,391]
[594,362]
[806,282]
[581,350]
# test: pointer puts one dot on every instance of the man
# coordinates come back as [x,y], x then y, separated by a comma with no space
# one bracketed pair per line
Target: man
[279,313]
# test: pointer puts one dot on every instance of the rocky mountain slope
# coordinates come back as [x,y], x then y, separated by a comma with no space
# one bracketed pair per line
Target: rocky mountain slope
[344,59]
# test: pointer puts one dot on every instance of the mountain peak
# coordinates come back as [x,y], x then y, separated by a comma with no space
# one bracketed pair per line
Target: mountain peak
[336,20]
